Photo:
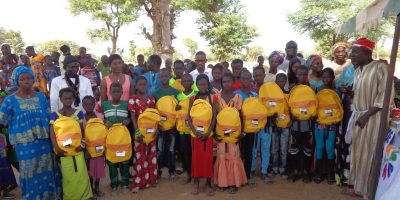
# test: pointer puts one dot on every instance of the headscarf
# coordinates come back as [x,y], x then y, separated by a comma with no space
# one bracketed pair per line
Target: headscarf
[339,44]
[278,55]
[364,43]
[311,59]
[22,69]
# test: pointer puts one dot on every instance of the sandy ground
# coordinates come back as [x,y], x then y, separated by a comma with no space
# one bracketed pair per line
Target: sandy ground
[279,190]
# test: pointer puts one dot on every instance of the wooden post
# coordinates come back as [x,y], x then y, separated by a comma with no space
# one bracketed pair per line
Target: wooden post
[376,163]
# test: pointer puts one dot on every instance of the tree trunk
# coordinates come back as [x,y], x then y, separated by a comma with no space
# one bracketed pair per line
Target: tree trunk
[113,45]
[162,36]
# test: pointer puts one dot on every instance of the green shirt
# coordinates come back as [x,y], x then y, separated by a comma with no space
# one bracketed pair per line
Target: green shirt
[162,92]
[104,70]
[181,96]
[115,114]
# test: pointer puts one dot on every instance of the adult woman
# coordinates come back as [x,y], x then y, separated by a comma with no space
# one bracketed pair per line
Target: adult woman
[275,59]
[340,61]
[116,63]
[26,114]
[80,84]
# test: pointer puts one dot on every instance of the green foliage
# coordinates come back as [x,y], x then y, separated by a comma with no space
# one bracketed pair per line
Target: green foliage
[178,56]
[145,51]
[191,45]
[253,52]
[54,45]
[319,19]
[223,25]
[14,39]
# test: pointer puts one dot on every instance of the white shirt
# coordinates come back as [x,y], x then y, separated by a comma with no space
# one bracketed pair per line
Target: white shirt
[58,83]
[207,72]
[285,64]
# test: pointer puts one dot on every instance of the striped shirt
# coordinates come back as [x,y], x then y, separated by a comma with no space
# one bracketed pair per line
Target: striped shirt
[115,113]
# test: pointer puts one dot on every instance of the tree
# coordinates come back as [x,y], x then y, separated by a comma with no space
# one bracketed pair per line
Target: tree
[114,14]
[320,18]
[223,25]
[54,45]
[191,45]
[253,52]
[14,39]
[145,51]
[132,52]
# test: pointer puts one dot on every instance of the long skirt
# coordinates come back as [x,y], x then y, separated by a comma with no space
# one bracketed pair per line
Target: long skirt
[7,177]
[144,165]
[36,170]
[202,158]
[228,168]
[75,179]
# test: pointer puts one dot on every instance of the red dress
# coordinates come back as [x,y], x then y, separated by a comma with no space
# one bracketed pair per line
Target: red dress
[145,156]
[202,157]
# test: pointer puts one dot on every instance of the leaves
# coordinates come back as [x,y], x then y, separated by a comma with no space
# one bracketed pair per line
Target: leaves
[54,45]
[14,39]
[191,45]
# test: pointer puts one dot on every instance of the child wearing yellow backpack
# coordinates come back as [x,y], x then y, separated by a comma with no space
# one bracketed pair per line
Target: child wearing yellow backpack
[116,112]
[167,138]
[300,149]
[325,130]
[75,179]
[184,136]
[96,164]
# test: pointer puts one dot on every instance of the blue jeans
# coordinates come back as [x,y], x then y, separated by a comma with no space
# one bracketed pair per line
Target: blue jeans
[166,151]
[263,142]
[280,140]
[325,137]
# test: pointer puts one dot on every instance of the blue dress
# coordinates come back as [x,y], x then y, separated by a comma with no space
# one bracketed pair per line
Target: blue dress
[28,122]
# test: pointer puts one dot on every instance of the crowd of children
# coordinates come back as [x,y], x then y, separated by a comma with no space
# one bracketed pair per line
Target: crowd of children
[201,122]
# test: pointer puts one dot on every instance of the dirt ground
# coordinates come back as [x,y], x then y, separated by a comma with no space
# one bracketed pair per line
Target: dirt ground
[279,190]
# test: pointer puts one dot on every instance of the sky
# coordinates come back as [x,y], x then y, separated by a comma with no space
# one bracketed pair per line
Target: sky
[54,21]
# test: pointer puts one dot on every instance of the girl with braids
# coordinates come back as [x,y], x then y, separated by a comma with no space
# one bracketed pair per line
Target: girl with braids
[71,79]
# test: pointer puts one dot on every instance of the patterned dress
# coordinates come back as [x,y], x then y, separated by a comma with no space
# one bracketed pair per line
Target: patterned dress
[145,157]
[228,168]
[369,91]
[27,119]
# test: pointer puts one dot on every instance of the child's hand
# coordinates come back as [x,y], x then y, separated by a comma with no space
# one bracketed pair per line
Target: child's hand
[59,151]
[178,107]
[126,122]
[108,124]
[78,149]
[139,138]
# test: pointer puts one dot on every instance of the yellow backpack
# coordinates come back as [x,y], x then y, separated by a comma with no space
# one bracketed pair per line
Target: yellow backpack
[330,110]
[271,95]
[303,102]
[166,106]
[229,125]
[201,114]
[95,137]
[118,144]
[68,133]
[254,115]
[148,124]
[182,124]
[283,120]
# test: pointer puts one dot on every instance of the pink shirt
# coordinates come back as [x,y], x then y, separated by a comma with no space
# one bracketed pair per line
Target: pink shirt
[126,87]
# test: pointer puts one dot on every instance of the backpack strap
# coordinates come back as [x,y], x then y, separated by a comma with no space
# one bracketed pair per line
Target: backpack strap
[59,114]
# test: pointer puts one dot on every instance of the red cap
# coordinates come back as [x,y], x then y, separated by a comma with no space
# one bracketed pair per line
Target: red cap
[364,42]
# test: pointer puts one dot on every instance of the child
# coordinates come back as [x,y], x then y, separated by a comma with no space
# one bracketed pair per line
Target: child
[258,76]
[184,138]
[7,178]
[280,137]
[294,64]
[247,142]
[216,83]
[50,71]
[228,168]
[96,165]
[202,145]
[167,138]
[176,82]
[89,71]
[300,149]
[314,63]
[75,179]
[145,157]
[325,136]
[116,111]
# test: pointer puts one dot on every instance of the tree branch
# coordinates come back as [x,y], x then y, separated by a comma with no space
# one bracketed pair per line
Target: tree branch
[146,34]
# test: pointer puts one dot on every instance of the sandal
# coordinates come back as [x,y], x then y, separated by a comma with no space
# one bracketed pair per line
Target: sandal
[221,189]
[350,192]
[196,190]
[232,190]
[210,191]
[317,179]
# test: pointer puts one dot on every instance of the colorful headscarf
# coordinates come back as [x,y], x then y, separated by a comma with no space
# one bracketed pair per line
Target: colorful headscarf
[339,44]
[365,43]
[278,55]
[311,59]
[22,69]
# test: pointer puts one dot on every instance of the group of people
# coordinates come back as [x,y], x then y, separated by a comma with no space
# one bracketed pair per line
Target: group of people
[38,103]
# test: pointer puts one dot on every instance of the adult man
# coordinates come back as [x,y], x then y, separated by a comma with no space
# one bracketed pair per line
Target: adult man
[369,86]
[291,52]
[65,50]
[201,59]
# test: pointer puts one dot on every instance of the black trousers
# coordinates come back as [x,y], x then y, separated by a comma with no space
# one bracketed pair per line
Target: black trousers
[186,152]
[300,151]
[246,149]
